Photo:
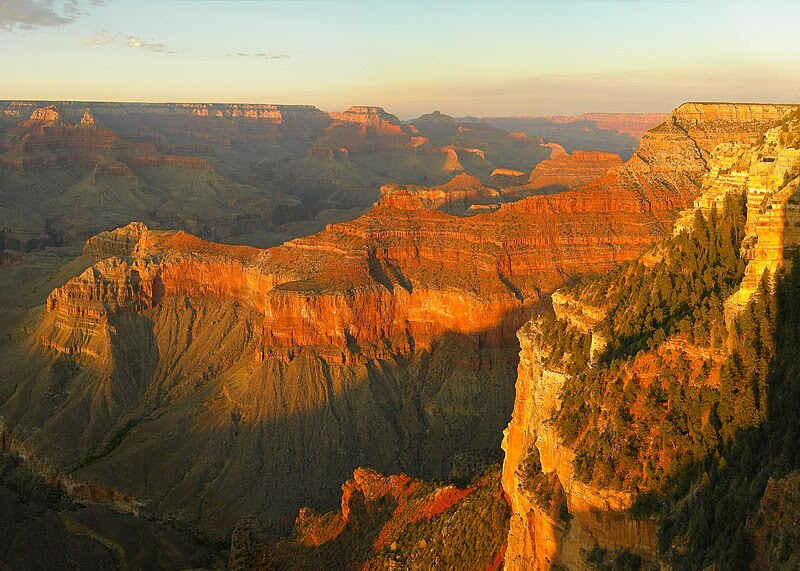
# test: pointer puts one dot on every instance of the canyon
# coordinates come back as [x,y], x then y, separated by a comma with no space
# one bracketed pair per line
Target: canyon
[245,173]
[618,133]
[388,341]
[230,386]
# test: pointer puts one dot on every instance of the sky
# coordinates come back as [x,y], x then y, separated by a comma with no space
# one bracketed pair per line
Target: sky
[492,58]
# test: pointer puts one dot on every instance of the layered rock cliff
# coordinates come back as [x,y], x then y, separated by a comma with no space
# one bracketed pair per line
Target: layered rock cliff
[571,170]
[227,171]
[541,537]
[619,381]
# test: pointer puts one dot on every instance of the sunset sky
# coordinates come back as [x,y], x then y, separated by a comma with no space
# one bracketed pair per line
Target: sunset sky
[477,58]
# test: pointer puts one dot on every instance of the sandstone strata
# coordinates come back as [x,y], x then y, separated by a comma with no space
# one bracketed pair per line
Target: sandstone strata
[767,173]
[598,517]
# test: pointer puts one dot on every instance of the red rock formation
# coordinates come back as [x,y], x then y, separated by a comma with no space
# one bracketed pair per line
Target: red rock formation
[413,274]
[375,116]
[462,189]
[384,520]
[572,170]
[360,300]
[392,273]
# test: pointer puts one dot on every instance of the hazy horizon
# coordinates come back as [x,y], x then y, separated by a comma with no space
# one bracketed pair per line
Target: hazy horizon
[510,59]
[404,118]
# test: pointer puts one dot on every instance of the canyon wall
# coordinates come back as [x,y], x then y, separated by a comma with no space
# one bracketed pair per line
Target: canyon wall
[596,517]
[734,149]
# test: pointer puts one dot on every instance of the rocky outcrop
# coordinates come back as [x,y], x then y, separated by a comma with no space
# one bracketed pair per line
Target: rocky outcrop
[462,191]
[596,517]
[119,242]
[371,115]
[773,208]
[87,120]
[44,117]
[386,521]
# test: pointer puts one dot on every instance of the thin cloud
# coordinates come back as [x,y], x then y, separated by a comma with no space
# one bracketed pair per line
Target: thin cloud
[34,14]
[259,55]
[136,42]
[103,38]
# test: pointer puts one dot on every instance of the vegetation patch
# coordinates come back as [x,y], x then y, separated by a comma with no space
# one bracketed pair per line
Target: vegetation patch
[111,444]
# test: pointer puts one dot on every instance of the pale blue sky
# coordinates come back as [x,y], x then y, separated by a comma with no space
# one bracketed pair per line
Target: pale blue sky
[480,58]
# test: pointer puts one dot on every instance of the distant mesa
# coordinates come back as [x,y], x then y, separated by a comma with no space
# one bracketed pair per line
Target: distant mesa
[435,118]
[457,195]
[122,161]
[633,124]
[366,114]
[561,172]
[618,133]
